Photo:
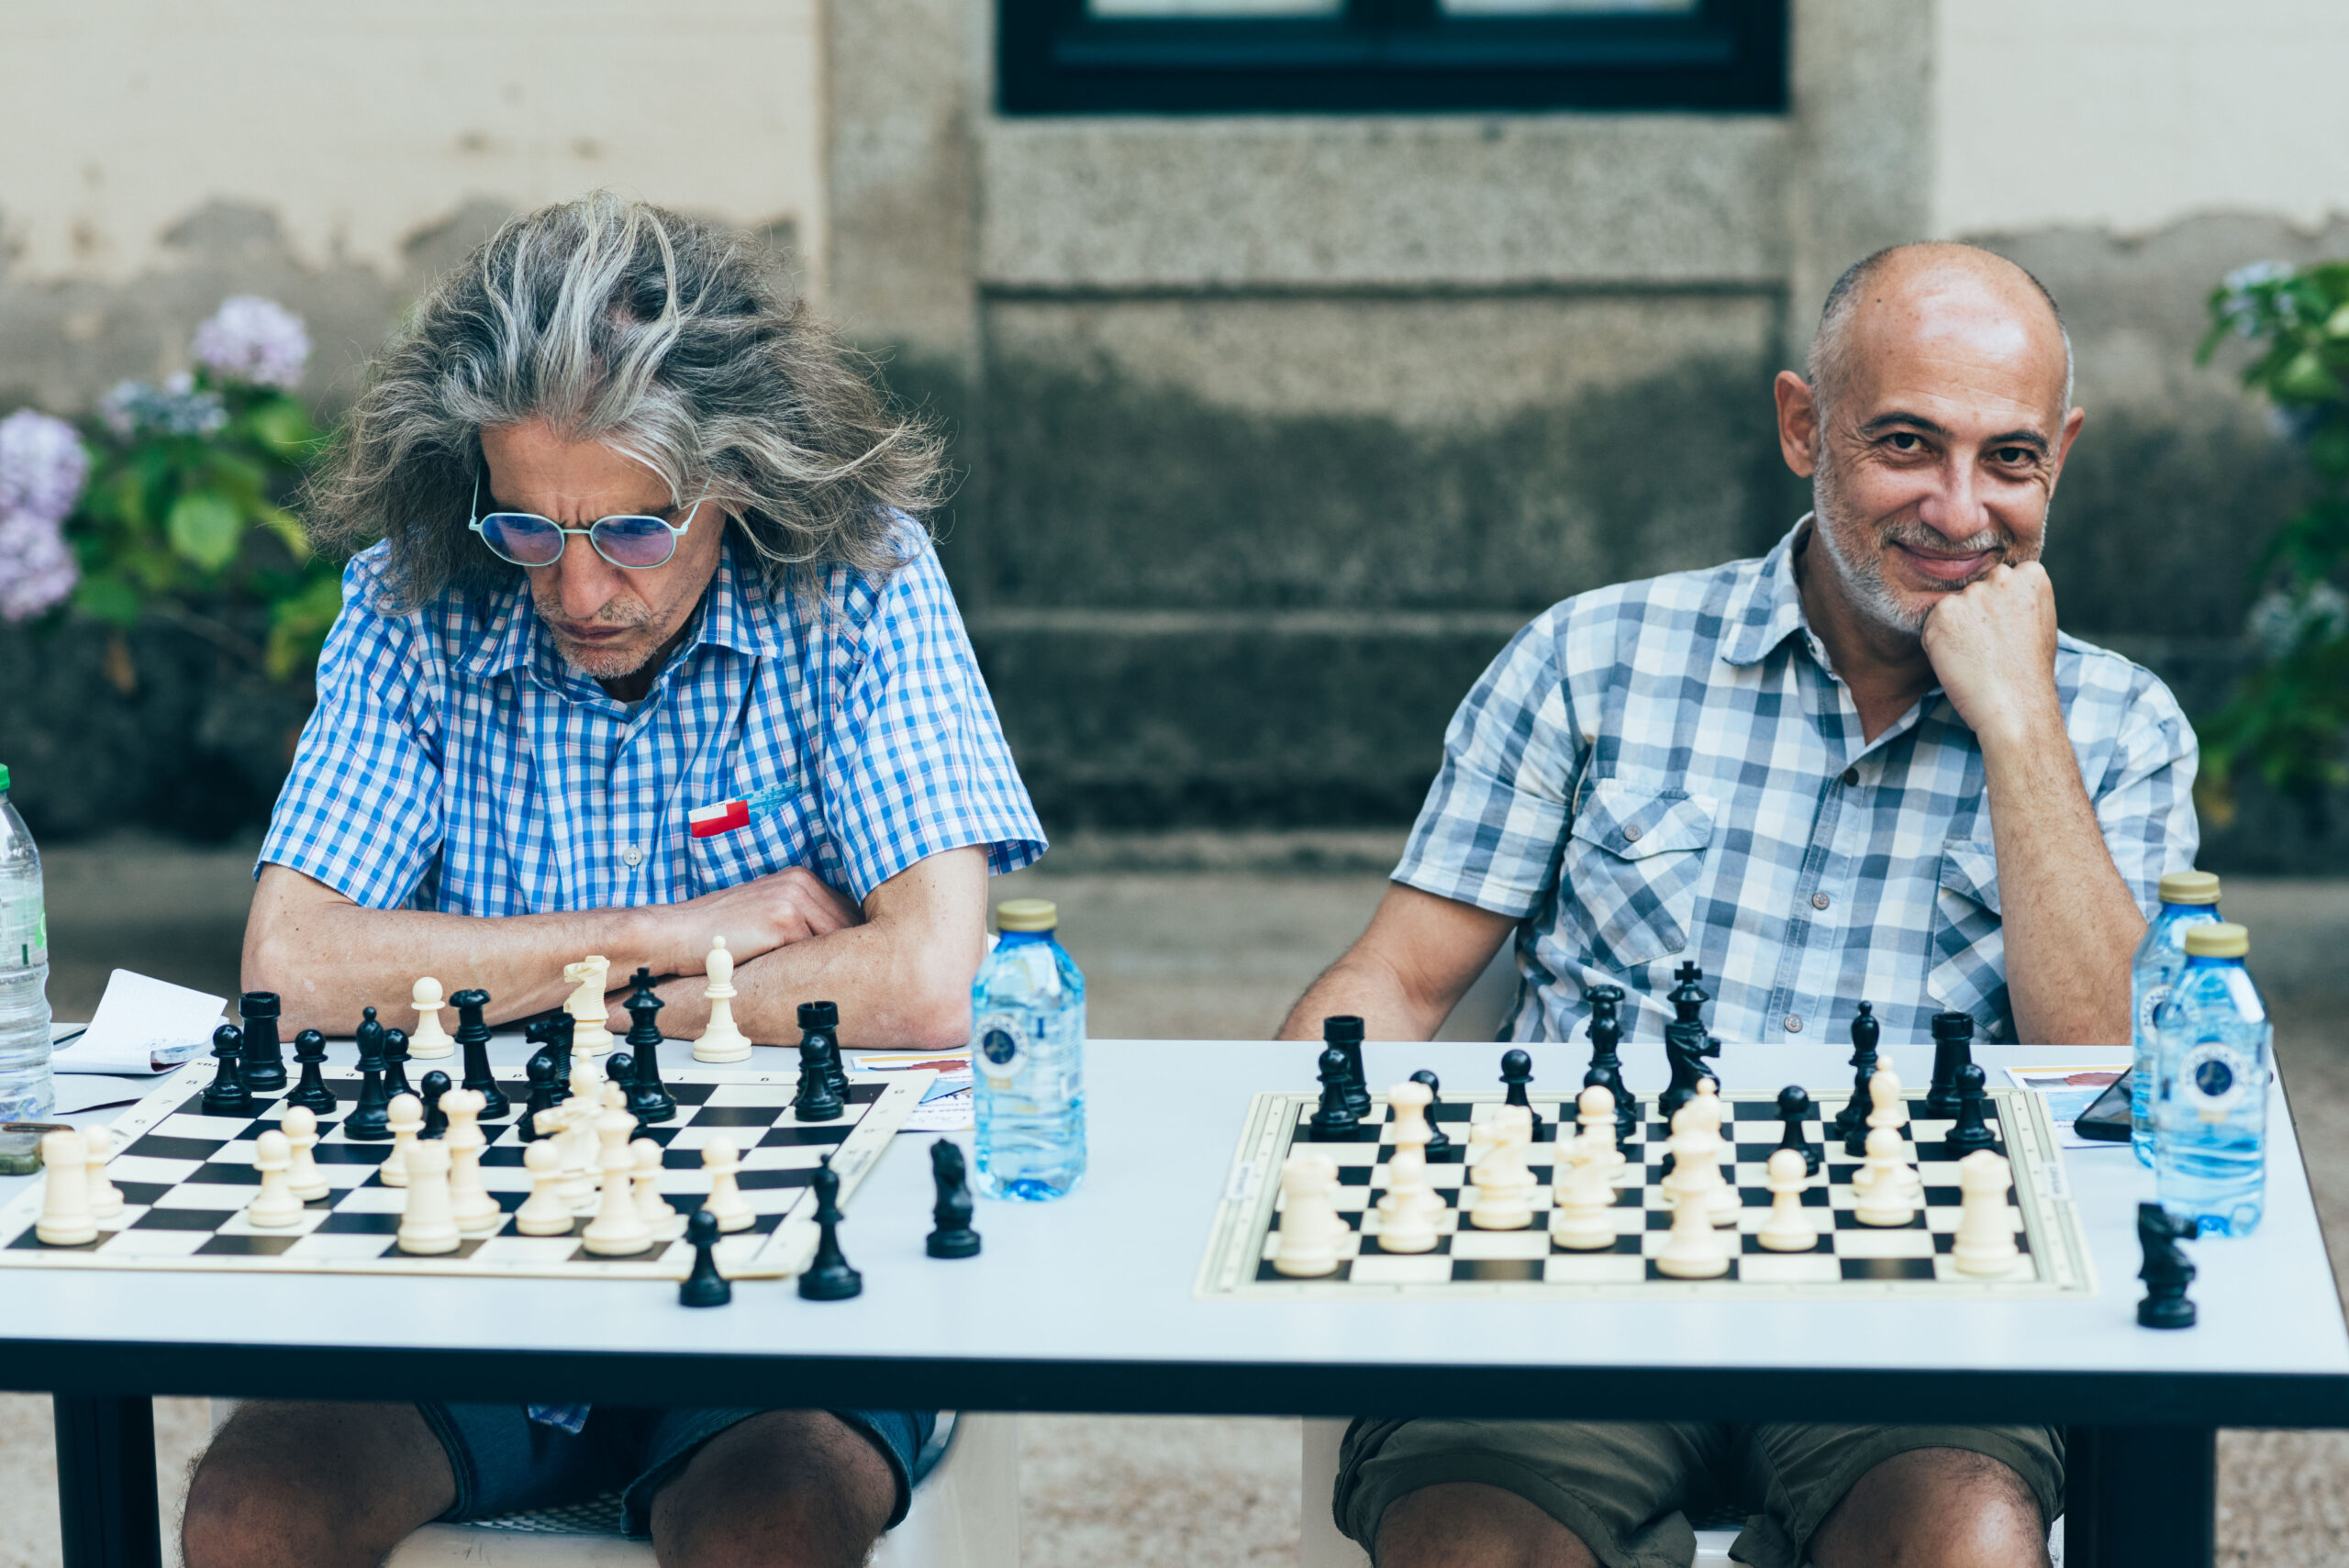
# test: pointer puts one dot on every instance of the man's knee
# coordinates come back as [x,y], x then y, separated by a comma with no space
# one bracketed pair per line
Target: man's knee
[313,1484]
[783,1489]
[1935,1507]
[1465,1524]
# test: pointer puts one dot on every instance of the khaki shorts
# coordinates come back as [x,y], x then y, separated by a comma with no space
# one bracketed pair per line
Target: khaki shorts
[1628,1489]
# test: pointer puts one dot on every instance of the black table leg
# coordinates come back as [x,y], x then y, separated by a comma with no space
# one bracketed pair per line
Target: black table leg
[2141,1496]
[106,1483]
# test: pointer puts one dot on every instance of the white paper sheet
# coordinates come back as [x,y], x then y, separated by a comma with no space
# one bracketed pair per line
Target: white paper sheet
[142,1026]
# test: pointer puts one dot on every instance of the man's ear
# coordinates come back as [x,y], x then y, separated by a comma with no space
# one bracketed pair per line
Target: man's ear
[2064,439]
[1798,432]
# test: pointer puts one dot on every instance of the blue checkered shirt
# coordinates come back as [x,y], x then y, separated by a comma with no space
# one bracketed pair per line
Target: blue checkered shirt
[1667,771]
[456,762]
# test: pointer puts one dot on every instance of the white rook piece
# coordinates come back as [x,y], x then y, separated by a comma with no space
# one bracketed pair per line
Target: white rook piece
[304,1175]
[275,1207]
[618,1230]
[588,1035]
[429,1039]
[65,1217]
[1310,1230]
[721,1041]
[726,1202]
[544,1213]
[426,1225]
[1986,1231]
[105,1198]
[406,1114]
[469,1204]
[1788,1228]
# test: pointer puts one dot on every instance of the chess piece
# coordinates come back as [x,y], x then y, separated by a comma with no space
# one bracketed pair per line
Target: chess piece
[618,1230]
[1890,1109]
[1333,1121]
[369,1037]
[952,1236]
[2167,1272]
[436,1117]
[473,1038]
[721,1041]
[1517,1075]
[1883,1194]
[1505,1186]
[1606,1070]
[66,1218]
[724,1163]
[396,1062]
[560,1029]
[369,1119]
[1971,1133]
[588,979]
[431,1041]
[469,1204]
[1850,1123]
[704,1287]
[264,1068]
[1986,1235]
[1344,1032]
[816,1100]
[581,1151]
[1407,1113]
[1794,1109]
[275,1207]
[1410,1213]
[1696,1176]
[427,1229]
[105,1198]
[304,1175]
[1694,1250]
[648,1097]
[1788,1227]
[545,1094]
[311,1093]
[1440,1149]
[1685,1044]
[404,1118]
[1311,1237]
[1952,1049]
[226,1094]
[827,1276]
[1600,1130]
[1585,1197]
[660,1216]
[1721,1190]
[544,1213]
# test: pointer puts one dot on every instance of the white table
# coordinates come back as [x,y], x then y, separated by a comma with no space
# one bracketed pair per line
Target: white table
[1087,1305]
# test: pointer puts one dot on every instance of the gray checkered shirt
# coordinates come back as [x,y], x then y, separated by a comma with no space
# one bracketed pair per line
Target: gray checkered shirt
[1667,771]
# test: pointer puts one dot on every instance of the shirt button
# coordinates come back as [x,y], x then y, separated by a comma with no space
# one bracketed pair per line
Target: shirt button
[1850,776]
[632,855]
[1630,832]
[1794,1024]
[1820,901]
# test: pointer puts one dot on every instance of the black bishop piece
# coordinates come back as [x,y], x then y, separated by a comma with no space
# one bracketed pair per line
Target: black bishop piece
[1685,1044]
[704,1286]
[816,1100]
[1441,1149]
[1344,1032]
[648,1099]
[1794,1109]
[1333,1121]
[1850,1123]
[310,1051]
[2167,1272]
[264,1068]
[828,1277]
[1952,1049]
[1606,1070]
[472,1037]
[436,1120]
[370,1120]
[1973,1100]
[953,1237]
[227,1093]
[396,1082]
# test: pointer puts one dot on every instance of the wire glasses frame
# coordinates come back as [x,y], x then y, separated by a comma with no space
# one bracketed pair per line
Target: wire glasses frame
[634,542]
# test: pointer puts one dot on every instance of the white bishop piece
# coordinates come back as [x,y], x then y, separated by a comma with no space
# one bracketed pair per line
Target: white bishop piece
[721,1041]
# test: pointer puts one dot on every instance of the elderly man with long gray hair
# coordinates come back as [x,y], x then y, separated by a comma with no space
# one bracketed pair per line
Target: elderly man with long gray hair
[648,541]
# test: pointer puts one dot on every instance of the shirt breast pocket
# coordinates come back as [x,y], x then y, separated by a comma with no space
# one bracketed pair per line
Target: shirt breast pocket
[1969,955]
[767,844]
[1633,863]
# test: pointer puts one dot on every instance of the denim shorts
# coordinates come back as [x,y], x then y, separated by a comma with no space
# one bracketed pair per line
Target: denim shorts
[507,1463]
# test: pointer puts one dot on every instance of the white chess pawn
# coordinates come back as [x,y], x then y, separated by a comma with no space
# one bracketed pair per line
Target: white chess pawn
[475,1212]
[581,1152]
[1310,1235]
[1788,1228]
[618,1230]
[275,1207]
[1883,1194]
[105,1198]
[721,1041]
[1585,1220]
[1595,1114]
[1504,1183]
[304,1175]
[544,1213]
[405,1118]
[1889,1106]
[1408,1216]
[429,1039]
[1986,1231]
[65,1217]
[663,1221]
[589,1038]
[426,1225]
[1721,1191]
[1694,1250]
[1406,1112]
[726,1201]
[1697,1164]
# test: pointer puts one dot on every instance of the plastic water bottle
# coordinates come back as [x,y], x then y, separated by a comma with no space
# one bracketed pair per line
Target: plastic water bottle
[2188,898]
[2210,1105]
[26,1091]
[1028,1059]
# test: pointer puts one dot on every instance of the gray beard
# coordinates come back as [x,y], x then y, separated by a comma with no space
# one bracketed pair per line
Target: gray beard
[1862,580]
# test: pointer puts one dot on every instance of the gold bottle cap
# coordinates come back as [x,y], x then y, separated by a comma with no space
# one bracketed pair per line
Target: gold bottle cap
[2216,939]
[2190,887]
[1026,915]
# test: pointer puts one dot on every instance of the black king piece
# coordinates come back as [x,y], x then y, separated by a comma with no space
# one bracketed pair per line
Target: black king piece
[648,1099]
[473,1036]
[1606,1070]
[264,1067]
[1685,1044]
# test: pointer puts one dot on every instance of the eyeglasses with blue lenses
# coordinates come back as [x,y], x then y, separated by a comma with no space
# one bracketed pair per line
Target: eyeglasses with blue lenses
[633,540]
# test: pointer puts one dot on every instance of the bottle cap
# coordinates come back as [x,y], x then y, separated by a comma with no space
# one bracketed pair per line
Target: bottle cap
[1026,915]
[2190,887]
[2216,939]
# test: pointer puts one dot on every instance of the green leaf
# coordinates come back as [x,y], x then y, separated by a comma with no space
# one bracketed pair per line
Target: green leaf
[299,625]
[206,527]
[107,599]
[283,427]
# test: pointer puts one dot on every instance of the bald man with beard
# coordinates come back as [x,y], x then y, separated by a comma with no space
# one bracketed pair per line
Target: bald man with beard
[1866,765]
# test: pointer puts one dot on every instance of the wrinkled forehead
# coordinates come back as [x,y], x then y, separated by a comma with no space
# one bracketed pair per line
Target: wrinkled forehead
[1971,352]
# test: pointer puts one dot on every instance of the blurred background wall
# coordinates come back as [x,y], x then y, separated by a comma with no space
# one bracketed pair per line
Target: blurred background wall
[1273,426]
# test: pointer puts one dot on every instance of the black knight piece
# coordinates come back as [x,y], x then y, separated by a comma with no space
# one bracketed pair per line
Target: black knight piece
[436,1120]
[828,1277]
[1794,1109]
[704,1286]
[1685,1044]
[1850,1123]
[1344,1032]
[2166,1272]
[264,1068]
[227,1093]
[395,1064]
[648,1097]
[1952,1049]
[1333,1121]
[370,1120]
[1441,1149]
[1971,1131]
[953,1237]
[816,1100]
[472,1037]
[1517,1072]
[310,1051]
[1606,1070]
[545,1094]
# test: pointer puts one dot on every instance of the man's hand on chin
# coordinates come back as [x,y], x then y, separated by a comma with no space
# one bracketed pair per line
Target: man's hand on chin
[1993,648]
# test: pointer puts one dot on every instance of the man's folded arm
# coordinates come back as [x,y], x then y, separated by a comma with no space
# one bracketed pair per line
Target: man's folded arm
[1408,971]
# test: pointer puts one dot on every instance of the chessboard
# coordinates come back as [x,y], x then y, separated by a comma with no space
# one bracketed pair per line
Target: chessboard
[1852,1261]
[185,1178]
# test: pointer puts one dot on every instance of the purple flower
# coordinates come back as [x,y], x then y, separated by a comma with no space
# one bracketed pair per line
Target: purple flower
[174,408]
[43,466]
[36,569]
[254,340]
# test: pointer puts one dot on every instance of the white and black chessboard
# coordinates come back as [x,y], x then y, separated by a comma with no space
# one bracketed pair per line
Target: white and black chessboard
[185,1178]
[1851,1260]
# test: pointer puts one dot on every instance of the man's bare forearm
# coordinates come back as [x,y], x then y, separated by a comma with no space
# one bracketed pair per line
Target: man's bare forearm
[1407,972]
[1366,985]
[893,989]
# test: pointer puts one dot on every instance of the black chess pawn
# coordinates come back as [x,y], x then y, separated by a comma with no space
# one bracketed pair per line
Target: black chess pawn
[828,1277]
[395,1064]
[2167,1272]
[1952,1049]
[473,1037]
[227,1093]
[1794,1109]
[1334,1120]
[264,1068]
[436,1120]
[953,1237]
[816,1100]
[704,1286]
[1517,1072]
[1971,1131]
[370,1120]
[824,1019]
[1606,1070]
[1344,1032]
[310,1051]
[648,1099]
[1441,1149]
[1850,1123]
[545,1094]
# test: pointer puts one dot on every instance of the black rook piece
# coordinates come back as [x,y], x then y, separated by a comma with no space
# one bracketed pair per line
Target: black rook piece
[1516,1072]
[544,1092]
[1973,1099]
[1850,1123]
[370,1120]
[816,1100]
[1334,1121]
[264,1068]
[310,1051]
[953,1237]
[648,1097]
[824,1019]
[396,1062]
[1344,1032]
[436,1120]
[2166,1272]
[1606,1069]
[473,1034]
[704,1286]
[227,1093]
[1952,1049]
[1440,1149]
[1794,1109]
[1685,1044]
[828,1277]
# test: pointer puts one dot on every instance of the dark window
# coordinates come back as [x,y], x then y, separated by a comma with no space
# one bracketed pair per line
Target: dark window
[1244,56]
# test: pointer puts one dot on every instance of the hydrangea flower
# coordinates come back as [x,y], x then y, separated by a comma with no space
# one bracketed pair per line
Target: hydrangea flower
[254,340]
[43,466]
[36,569]
[2280,619]
[174,408]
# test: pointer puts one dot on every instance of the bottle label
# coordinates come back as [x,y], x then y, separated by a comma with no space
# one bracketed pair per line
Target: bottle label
[24,933]
[2148,1004]
[2212,1078]
[999,1046]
